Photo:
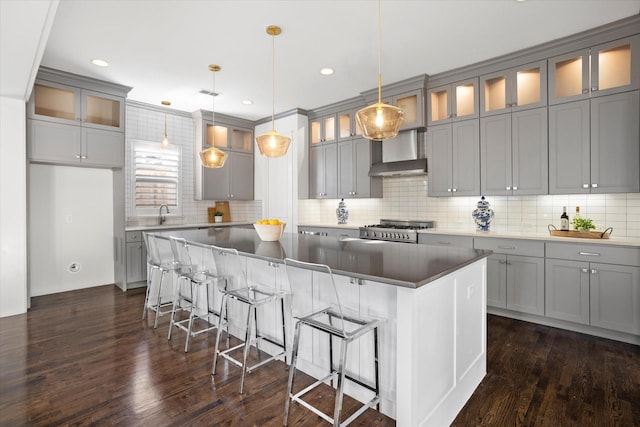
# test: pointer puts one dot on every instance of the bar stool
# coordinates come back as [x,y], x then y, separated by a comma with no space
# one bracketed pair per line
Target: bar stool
[199,278]
[308,285]
[230,265]
[156,264]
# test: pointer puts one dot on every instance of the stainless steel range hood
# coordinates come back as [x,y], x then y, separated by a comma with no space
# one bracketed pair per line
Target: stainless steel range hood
[403,155]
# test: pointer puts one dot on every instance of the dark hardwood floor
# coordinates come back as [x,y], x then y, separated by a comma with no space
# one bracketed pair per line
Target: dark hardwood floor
[86,358]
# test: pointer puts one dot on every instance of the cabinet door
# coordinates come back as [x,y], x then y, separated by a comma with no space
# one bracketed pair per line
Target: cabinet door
[323,172]
[494,96]
[102,111]
[615,66]
[136,265]
[315,131]
[567,290]
[457,101]
[54,142]
[569,77]
[569,148]
[440,157]
[615,150]
[331,170]
[102,147]
[241,171]
[348,126]
[55,102]
[525,284]
[362,164]
[528,86]
[316,173]
[345,169]
[615,297]
[529,152]
[466,158]
[412,103]
[497,281]
[495,155]
[216,181]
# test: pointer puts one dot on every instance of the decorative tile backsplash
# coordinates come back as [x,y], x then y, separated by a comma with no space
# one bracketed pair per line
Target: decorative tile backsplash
[406,198]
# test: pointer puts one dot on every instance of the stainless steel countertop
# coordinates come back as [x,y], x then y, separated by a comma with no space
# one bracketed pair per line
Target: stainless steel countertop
[399,264]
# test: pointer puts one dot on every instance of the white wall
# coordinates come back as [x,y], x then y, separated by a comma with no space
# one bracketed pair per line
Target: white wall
[70,222]
[13,209]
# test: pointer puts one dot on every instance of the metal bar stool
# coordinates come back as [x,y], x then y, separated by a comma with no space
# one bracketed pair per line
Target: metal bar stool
[230,265]
[316,304]
[156,264]
[199,278]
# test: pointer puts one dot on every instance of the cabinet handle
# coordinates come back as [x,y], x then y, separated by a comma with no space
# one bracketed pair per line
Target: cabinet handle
[78,156]
[585,90]
[507,247]
[515,188]
[449,190]
[502,261]
[508,188]
[83,157]
[594,185]
[594,271]
[454,190]
[585,270]
[453,115]
[589,253]
[585,185]
[594,89]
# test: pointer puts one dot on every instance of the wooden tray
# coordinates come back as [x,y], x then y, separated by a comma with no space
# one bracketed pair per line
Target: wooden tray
[581,234]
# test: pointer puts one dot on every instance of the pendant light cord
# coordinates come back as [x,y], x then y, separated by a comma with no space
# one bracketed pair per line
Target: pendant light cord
[213,105]
[379,53]
[273,82]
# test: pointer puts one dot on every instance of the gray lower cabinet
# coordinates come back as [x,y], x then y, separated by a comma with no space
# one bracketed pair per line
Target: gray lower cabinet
[445,240]
[329,231]
[593,145]
[234,181]
[595,285]
[513,153]
[74,145]
[323,171]
[515,274]
[136,257]
[354,162]
[453,150]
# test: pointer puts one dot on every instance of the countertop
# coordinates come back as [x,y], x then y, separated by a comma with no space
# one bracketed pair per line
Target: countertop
[183,226]
[396,264]
[613,240]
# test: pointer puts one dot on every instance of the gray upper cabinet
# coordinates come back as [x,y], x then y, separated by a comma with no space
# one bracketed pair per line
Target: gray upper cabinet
[513,153]
[453,102]
[412,104]
[323,172]
[603,69]
[593,145]
[515,89]
[348,126]
[323,129]
[355,158]
[233,181]
[453,151]
[76,121]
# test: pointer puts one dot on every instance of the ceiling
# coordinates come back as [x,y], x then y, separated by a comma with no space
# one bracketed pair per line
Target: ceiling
[163,48]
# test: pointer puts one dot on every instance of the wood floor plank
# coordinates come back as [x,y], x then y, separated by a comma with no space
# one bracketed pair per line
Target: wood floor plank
[86,358]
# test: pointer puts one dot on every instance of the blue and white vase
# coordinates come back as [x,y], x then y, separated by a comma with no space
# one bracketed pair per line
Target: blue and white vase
[342,213]
[482,215]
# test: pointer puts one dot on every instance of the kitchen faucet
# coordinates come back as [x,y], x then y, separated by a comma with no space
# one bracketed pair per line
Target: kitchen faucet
[163,218]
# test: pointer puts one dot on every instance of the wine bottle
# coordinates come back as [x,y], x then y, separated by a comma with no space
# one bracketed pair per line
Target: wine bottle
[564,220]
[576,217]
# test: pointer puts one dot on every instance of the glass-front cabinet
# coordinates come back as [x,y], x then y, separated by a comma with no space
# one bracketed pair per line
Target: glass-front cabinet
[412,103]
[71,105]
[452,102]
[348,125]
[228,138]
[514,89]
[323,129]
[601,70]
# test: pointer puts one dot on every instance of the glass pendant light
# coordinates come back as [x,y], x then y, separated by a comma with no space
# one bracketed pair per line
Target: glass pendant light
[273,144]
[213,157]
[380,121]
[165,139]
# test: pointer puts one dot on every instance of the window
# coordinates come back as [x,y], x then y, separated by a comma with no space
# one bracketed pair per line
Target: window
[156,173]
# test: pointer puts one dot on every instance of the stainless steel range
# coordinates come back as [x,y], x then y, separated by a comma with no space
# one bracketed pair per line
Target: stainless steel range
[393,230]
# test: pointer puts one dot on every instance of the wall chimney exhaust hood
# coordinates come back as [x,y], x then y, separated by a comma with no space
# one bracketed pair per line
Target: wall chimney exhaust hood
[402,155]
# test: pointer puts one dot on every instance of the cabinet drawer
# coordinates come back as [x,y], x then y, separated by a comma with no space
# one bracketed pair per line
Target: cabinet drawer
[445,240]
[510,246]
[594,253]
[134,236]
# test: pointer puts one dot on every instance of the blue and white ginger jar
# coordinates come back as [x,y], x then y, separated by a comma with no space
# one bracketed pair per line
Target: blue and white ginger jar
[482,215]
[342,213]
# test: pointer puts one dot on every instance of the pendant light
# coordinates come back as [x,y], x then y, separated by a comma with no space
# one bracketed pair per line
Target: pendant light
[165,139]
[380,121]
[213,157]
[273,144]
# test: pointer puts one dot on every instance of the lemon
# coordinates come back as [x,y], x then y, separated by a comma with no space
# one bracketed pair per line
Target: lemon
[274,222]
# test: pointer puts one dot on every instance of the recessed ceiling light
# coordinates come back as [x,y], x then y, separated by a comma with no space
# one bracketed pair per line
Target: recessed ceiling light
[327,71]
[247,102]
[100,62]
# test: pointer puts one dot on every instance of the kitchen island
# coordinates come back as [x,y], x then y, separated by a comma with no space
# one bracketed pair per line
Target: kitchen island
[433,343]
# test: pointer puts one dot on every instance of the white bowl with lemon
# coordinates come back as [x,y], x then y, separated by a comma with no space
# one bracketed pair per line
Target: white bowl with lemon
[269,230]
